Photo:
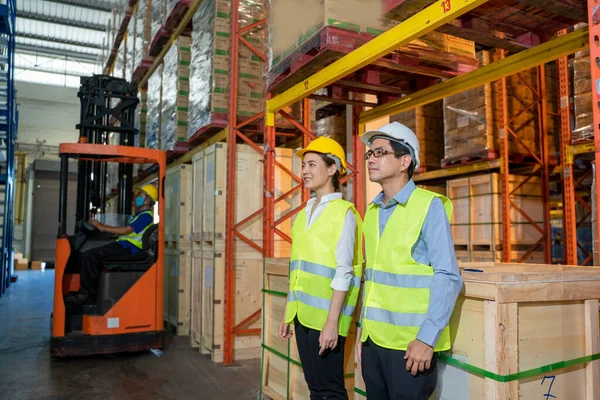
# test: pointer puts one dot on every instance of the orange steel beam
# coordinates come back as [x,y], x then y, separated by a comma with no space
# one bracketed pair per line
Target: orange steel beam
[504,172]
[545,169]
[594,34]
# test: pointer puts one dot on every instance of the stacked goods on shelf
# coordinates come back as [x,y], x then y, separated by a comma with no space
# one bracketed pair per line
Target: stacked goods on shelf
[282,376]
[209,72]
[159,15]
[143,32]
[175,94]
[473,119]
[178,247]
[333,127]
[477,217]
[306,36]
[119,71]
[141,117]
[582,90]
[513,318]
[130,49]
[427,122]
[153,118]
[209,235]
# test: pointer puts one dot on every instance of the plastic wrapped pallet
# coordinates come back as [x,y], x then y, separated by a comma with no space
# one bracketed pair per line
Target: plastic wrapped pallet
[333,127]
[119,70]
[158,16]
[130,50]
[427,122]
[209,82]
[176,73]
[119,12]
[140,118]
[473,118]
[582,90]
[143,31]
[153,119]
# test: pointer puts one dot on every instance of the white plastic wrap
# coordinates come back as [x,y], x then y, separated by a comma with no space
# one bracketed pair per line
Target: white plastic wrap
[209,72]
[175,94]
[130,49]
[158,16]
[153,119]
[143,21]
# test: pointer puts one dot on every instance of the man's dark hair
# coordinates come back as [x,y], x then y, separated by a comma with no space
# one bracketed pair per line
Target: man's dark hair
[400,151]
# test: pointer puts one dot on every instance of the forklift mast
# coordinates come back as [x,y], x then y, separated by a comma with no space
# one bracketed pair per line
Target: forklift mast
[107,107]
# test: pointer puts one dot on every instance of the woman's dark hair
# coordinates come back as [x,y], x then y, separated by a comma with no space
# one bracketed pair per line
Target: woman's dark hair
[336,177]
[400,151]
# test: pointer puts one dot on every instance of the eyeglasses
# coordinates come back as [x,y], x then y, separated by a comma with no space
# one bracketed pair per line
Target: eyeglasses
[378,153]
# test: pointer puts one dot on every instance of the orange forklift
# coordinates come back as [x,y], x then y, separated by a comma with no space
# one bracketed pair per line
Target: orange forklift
[128,313]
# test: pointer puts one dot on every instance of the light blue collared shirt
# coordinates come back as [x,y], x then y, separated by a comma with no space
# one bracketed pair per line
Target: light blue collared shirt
[436,248]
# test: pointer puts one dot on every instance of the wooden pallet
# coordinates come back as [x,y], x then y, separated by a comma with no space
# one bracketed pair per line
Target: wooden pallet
[466,159]
[386,76]
[281,371]
[179,10]
[159,41]
[499,326]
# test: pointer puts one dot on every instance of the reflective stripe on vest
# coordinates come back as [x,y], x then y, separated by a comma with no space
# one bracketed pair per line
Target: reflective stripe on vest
[397,288]
[133,237]
[313,264]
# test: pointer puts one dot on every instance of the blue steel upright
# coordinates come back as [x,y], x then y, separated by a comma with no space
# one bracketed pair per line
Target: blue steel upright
[8,137]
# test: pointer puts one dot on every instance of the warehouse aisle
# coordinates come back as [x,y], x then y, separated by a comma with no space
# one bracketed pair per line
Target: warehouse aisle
[28,372]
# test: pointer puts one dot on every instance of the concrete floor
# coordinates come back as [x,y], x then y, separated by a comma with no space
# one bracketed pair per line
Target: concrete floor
[28,372]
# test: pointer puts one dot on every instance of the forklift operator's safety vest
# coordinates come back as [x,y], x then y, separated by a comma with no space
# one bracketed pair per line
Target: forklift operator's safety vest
[397,288]
[136,238]
[313,264]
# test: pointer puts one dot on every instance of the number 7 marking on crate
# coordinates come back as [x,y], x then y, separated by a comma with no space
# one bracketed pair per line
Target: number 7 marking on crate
[548,395]
[446,5]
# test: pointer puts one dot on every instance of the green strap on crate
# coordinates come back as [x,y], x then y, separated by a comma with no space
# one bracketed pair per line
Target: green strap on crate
[275,293]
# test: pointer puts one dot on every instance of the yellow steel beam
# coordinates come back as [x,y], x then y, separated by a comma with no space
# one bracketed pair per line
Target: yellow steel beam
[583,148]
[461,170]
[430,18]
[174,36]
[549,51]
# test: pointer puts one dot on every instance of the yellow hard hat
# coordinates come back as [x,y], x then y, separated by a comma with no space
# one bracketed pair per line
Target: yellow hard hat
[328,146]
[151,191]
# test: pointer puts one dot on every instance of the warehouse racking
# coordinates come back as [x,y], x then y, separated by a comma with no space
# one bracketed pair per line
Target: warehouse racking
[530,52]
[8,136]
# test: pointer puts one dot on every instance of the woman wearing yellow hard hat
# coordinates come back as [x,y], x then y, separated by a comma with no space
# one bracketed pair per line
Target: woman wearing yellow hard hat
[325,271]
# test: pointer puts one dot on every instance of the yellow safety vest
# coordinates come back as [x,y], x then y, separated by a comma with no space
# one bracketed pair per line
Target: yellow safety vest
[313,264]
[397,288]
[136,238]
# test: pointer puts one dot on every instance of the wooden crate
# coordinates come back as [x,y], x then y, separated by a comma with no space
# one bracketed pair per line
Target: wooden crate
[209,322]
[178,204]
[513,318]
[282,376]
[196,298]
[209,195]
[477,215]
[536,257]
[177,288]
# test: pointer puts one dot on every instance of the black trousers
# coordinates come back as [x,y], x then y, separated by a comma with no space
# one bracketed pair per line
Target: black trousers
[324,374]
[91,263]
[386,378]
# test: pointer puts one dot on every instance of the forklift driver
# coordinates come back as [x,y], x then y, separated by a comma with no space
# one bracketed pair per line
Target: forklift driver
[129,242]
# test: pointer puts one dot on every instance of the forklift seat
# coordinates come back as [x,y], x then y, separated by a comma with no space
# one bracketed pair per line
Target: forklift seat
[120,273]
[140,261]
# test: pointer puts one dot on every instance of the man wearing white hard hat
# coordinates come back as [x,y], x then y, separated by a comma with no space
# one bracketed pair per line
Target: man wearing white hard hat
[412,279]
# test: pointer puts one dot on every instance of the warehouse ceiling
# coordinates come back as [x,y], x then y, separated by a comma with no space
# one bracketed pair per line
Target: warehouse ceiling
[60,37]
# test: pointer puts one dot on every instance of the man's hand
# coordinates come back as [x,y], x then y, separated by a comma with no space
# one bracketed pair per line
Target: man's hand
[284,330]
[96,223]
[328,338]
[418,356]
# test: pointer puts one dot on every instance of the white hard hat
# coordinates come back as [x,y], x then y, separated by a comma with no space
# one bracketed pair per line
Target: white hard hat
[399,133]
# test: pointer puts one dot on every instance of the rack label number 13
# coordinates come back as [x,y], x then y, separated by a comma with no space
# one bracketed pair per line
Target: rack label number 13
[446,5]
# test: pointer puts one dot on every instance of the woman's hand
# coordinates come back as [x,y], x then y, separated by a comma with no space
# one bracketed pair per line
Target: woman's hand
[328,338]
[284,330]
